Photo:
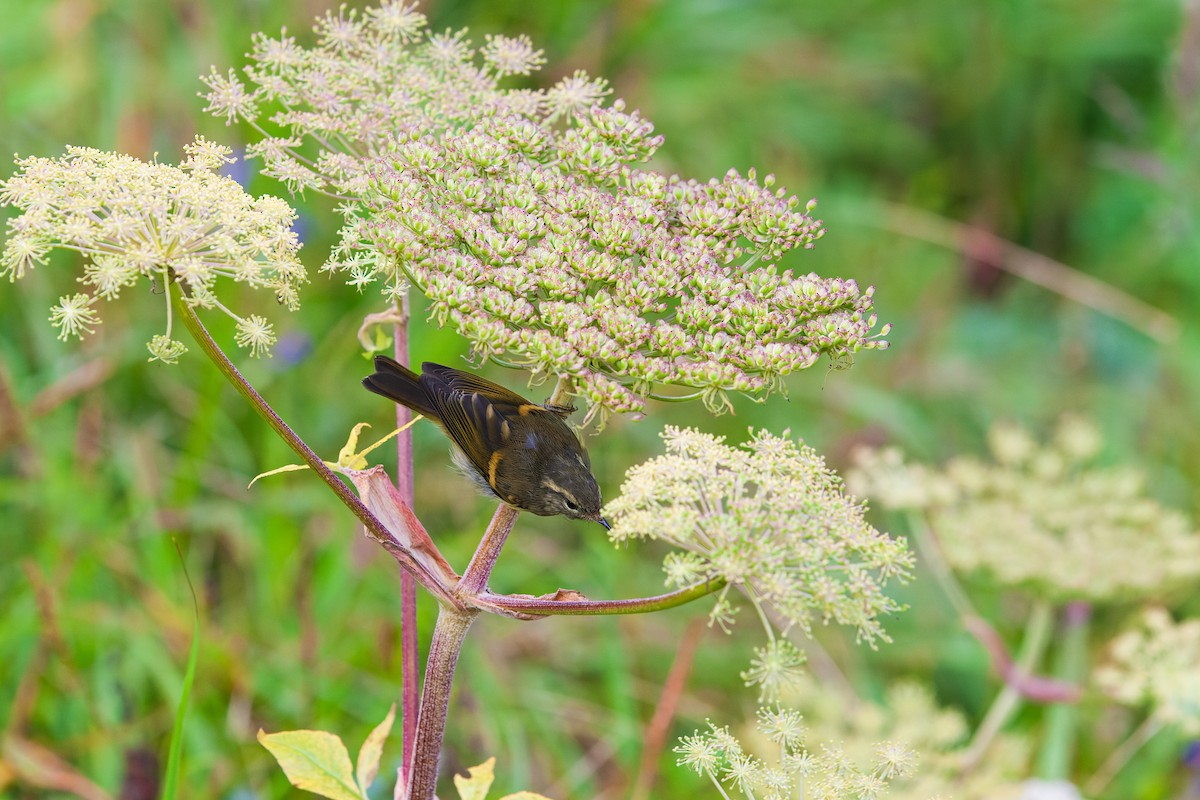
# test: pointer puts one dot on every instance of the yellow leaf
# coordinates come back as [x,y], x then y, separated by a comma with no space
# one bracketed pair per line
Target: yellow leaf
[285,468]
[476,786]
[360,463]
[315,761]
[372,751]
[348,455]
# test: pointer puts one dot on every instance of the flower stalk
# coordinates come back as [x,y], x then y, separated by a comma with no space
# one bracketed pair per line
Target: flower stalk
[1058,747]
[410,670]
[558,605]
[1033,646]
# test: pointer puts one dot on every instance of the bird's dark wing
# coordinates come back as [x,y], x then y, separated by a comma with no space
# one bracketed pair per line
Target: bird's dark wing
[475,412]
[467,383]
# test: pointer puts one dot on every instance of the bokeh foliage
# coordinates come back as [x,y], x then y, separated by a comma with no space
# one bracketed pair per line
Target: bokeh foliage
[1065,127]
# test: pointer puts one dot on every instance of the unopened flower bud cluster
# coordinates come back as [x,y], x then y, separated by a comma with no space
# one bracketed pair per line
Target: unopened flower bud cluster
[554,253]
[1040,516]
[524,217]
[130,219]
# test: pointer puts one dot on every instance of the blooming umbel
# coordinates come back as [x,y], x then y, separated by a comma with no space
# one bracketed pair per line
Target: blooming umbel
[905,741]
[773,521]
[795,767]
[1040,517]
[373,78]
[130,219]
[523,216]
[1156,664]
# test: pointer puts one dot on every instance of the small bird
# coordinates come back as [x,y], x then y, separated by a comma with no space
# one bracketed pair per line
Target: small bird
[519,451]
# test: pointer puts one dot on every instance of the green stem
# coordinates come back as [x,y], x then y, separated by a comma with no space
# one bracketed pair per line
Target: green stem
[448,635]
[518,605]
[1033,645]
[1070,665]
[935,560]
[1119,757]
[374,527]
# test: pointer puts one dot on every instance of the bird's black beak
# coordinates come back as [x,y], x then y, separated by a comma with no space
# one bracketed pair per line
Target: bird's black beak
[604,522]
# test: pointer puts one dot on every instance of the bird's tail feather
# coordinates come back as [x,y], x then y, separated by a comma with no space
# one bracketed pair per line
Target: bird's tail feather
[399,384]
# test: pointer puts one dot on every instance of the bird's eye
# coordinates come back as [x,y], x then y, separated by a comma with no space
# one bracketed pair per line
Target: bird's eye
[570,504]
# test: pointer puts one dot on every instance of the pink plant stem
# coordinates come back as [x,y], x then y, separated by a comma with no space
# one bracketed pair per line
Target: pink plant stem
[409,649]
[475,579]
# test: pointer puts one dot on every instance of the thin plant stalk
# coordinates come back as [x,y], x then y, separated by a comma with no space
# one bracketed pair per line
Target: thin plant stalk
[1033,645]
[170,787]
[664,711]
[933,558]
[1058,743]
[1032,266]
[410,655]
[1120,756]
[448,636]
[533,607]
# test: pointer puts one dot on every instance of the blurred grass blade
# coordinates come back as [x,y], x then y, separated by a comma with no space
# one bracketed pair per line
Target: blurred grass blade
[171,779]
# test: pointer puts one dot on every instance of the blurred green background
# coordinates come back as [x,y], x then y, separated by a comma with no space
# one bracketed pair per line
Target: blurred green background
[949,144]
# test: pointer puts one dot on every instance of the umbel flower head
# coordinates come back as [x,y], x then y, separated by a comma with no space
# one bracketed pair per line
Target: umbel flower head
[131,219]
[798,766]
[1155,664]
[523,216]
[773,521]
[372,78]
[548,250]
[1040,517]
[844,746]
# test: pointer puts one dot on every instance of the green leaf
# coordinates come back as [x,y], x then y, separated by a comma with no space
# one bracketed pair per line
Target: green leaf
[315,761]
[372,752]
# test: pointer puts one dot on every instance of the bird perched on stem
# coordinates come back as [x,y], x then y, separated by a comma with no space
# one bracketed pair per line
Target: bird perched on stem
[521,452]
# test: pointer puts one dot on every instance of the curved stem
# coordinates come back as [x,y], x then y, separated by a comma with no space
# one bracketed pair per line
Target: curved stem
[1032,266]
[1119,757]
[541,606]
[931,555]
[674,398]
[1037,635]
[374,527]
